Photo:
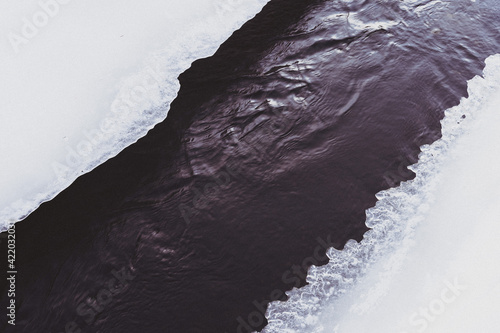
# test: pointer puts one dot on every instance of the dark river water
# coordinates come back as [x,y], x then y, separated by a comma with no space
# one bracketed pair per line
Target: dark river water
[277,143]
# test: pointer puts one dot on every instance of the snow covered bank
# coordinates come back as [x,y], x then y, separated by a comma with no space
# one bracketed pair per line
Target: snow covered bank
[81,80]
[432,261]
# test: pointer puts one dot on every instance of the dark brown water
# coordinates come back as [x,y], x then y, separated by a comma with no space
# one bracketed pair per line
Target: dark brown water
[282,137]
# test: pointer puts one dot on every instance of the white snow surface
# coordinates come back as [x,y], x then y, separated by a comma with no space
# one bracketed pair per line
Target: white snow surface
[82,80]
